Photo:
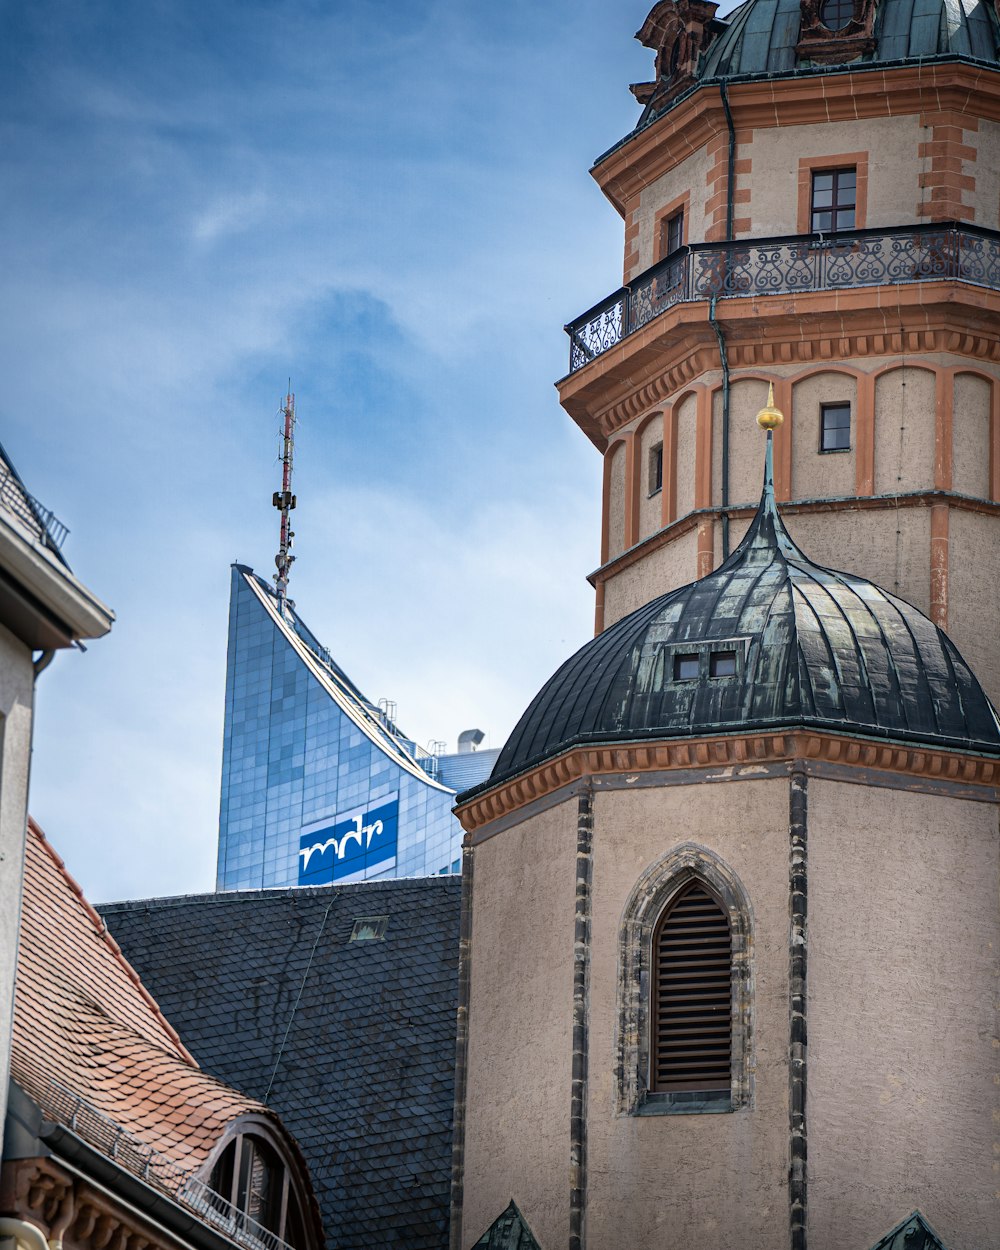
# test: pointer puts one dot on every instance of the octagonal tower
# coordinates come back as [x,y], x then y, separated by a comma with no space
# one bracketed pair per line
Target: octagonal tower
[811,199]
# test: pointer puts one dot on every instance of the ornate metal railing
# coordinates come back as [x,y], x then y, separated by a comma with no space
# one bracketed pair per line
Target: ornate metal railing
[786,266]
[65,1107]
[16,500]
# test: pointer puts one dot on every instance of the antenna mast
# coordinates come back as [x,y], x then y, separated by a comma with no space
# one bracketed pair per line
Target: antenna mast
[284,501]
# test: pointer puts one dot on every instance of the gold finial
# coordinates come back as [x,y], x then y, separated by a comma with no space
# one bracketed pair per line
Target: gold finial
[769,417]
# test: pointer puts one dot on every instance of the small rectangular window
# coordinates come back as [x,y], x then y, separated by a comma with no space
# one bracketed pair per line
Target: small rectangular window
[722,664]
[686,667]
[656,468]
[369,929]
[834,199]
[835,427]
[672,233]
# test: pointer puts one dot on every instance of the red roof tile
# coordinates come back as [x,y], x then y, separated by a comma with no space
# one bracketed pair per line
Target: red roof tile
[86,1030]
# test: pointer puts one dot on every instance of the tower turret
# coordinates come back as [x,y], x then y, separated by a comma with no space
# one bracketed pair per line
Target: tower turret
[811,203]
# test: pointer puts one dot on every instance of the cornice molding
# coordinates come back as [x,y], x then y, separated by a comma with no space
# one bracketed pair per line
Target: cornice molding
[726,755]
[790,507]
[815,327]
[856,93]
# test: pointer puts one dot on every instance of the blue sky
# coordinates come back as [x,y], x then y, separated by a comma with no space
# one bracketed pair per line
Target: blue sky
[388,202]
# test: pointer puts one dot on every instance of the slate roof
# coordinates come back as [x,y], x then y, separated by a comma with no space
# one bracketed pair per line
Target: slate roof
[357,1037]
[814,648]
[86,1029]
[761,35]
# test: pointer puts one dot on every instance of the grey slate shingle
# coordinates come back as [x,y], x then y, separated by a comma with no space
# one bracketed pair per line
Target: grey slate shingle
[365,1080]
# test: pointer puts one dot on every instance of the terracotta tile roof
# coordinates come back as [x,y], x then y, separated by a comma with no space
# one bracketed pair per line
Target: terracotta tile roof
[86,1030]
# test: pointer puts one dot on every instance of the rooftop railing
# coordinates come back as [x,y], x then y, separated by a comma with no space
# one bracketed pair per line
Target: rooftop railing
[787,265]
[15,499]
[65,1107]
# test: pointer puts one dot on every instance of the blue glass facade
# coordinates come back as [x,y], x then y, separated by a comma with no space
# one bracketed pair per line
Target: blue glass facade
[316,784]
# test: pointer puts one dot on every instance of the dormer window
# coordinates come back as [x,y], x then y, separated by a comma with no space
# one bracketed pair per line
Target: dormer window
[253,1196]
[722,664]
[687,667]
[835,14]
[710,660]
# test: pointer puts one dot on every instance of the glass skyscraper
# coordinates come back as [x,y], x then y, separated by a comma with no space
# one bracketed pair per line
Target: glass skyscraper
[319,785]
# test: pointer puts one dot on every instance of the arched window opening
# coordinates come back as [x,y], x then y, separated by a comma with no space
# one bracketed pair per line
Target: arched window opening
[685,1023]
[691,1013]
[251,1194]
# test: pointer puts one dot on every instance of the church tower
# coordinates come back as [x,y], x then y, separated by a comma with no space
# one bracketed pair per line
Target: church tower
[729,951]
[810,199]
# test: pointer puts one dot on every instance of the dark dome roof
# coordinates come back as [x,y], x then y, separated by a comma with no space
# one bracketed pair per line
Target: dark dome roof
[761,35]
[810,647]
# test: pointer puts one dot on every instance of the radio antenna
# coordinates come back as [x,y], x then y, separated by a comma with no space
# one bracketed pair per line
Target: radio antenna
[284,501]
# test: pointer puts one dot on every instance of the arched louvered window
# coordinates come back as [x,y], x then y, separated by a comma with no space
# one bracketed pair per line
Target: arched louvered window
[691,1026]
[685,1026]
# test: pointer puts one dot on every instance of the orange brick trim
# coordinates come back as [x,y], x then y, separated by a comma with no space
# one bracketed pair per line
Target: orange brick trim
[681,204]
[650,367]
[715,185]
[947,154]
[631,491]
[808,507]
[698,121]
[668,504]
[631,265]
[703,450]
[864,424]
[606,506]
[840,160]
[711,754]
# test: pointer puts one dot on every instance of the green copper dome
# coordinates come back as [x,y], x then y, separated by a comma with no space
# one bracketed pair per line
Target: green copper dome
[769,640]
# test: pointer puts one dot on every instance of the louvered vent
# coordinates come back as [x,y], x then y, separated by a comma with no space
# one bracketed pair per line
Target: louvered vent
[692,1025]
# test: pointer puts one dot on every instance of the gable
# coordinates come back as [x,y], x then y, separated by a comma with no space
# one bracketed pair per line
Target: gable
[913,1234]
[509,1232]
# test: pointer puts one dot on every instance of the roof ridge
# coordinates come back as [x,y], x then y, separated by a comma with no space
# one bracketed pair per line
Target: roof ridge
[116,951]
[439,880]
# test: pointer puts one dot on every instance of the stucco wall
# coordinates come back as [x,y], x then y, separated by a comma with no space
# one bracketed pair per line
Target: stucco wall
[520,1027]
[689,176]
[867,544]
[674,564]
[16,685]
[971,436]
[746,443]
[905,405]
[816,474]
[711,1181]
[649,504]
[903,928]
[893,189]
[973,578]
[686,443]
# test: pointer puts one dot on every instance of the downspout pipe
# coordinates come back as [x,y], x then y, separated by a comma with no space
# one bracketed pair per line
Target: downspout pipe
[731,162]
[725,424]
[28,1236]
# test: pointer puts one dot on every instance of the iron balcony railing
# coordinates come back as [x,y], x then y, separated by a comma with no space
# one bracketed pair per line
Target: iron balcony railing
[786,266]
[65,1107]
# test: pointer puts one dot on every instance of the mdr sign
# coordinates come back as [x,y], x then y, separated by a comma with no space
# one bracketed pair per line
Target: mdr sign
[349,848]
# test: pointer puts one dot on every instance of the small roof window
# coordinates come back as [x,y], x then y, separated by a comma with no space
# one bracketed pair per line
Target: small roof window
[369,929]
